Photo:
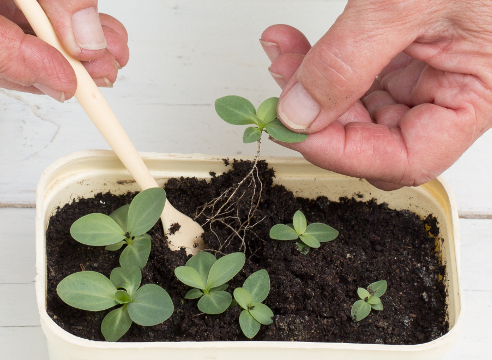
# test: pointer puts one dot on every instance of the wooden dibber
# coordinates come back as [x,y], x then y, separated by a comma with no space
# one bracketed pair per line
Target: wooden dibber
[99,111]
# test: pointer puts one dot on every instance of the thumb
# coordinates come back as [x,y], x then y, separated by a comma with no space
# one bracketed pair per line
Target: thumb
[342,66]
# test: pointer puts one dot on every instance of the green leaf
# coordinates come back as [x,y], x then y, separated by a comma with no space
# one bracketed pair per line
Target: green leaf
[87,290]
[267,111]
[97,230]
[299,222]
[258,285]
[303,248]
[137,252]
[363,293]
[127,277]
[193,294]
[202,262]
[189,276]
[243,297]
[115,324]
[278,131]
[115,247]
[374,300]
[283,232]
[262,313]
[248,324]
[122,297]
[215,302]
[378,288]
[145,209]
[120,216]
[151,305]
[360,310]
[310,241]
[236,110]
[251,134]
[220,288]
[321,232]
[378,307]
[225,269]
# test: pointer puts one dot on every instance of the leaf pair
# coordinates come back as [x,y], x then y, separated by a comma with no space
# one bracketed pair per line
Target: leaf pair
[370,299]
[208,277]
[126,225]
[237,110]
[310,235]
[250,297]
[88,290]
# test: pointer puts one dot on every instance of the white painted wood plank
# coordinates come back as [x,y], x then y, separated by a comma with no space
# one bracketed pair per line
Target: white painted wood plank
[23,343]
[17,241]
[476,267]
[184,55]
[18,305]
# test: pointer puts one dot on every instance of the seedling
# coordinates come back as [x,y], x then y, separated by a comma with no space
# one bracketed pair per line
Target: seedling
[208,277]
[88,290]
[310,236]
[237,110]
[127,225]
[369,299]
[249,297]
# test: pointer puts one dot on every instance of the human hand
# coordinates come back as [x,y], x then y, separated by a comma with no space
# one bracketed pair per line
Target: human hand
[431,100]
[29,64]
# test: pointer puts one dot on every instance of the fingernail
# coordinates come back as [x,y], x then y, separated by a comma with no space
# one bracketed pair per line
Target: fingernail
[55,94]
[297,108]
[271,49]
[103,82]
[118,65]
[278,78]
[87,29]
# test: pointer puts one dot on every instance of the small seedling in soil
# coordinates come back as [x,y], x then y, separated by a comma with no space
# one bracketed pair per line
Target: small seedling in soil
[369,299]
[310,236]
[148,305]
[249,297]
[237,110]
[127,225]
[208,277]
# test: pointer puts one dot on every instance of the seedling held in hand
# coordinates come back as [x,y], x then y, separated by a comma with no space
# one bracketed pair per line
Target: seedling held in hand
[310,236]
[249,297]
[369,299]
[127,225]
[88,290]
[237,110]
[208,277]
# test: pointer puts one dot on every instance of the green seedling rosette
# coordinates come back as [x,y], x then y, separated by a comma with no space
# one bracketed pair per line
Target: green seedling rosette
[250,297]
[369,300]
[145,305]
[208,277]
[237,110]
[308,236]
[126,226]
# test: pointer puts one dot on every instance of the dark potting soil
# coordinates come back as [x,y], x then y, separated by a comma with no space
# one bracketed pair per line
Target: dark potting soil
[311,295]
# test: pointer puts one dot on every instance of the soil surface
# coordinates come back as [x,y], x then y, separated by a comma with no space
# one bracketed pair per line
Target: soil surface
[311,295]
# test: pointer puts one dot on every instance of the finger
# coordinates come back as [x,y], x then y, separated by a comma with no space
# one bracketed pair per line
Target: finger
[9,85]
[377,99]
[401,82]
[283,39]
[428,140]
[103,70]
[116,47]
[390,115]
[26,61]
[284,67]
[342,66]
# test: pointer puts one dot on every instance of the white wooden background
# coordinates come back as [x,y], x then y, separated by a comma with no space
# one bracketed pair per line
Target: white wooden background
[184,55]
